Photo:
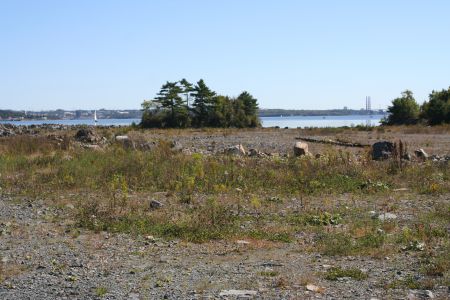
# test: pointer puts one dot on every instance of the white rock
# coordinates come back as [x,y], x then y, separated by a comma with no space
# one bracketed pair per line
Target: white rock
[387,216]
[314,288]
[242,242]
[238,293]
[121,137]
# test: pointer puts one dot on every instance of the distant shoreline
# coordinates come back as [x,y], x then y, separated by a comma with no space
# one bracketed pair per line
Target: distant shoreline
[15,115]
[267,121]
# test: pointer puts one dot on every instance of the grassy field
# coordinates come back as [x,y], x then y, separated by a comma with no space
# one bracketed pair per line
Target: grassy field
[333,201]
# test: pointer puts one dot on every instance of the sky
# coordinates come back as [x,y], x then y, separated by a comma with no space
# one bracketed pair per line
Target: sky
[295,54]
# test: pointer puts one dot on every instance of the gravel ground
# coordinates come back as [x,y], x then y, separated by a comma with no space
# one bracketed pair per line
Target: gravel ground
[46,259]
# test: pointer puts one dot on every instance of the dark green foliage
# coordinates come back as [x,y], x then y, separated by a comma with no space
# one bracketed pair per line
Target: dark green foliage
[203,103]
[169,109]
[404,110]
[169,99]
[437,109]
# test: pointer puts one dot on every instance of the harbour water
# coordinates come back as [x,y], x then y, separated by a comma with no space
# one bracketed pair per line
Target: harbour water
[281,121]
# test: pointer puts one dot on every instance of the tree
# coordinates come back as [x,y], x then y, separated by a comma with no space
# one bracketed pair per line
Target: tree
[169,109]
[187,89]
[203,101]
[169,99]
[437,109]
[152,117]
[404,110]
[250,106]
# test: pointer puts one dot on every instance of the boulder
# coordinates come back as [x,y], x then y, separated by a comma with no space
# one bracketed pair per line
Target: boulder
[421,154]
[407,156]
[236,150]
[255,153]
[122,137]
[86,135]
[176,146]
[387,216]
[300,149]
[382,150]
[126,142]
[238,293]
[420,294]
[155,204]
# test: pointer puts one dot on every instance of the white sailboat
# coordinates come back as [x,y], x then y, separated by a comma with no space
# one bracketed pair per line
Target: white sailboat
[95,118]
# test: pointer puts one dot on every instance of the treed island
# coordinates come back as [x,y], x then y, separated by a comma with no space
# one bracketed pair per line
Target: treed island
[181,104]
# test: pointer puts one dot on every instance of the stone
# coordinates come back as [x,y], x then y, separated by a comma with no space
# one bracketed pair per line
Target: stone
[126,142]
[421,154]
[150,238]
[92,147]
[387,216]
[155,204]
[407,156]
[300,149]
[238,293]
[255,153]
[122,137]
[420,294]
[314,288]
[242,242]
[133,296]
[86,135]
[176,146]
[236,150]
[382,150]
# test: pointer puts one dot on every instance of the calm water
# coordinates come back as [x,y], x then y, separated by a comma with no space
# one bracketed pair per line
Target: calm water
[316,121]
[291,122]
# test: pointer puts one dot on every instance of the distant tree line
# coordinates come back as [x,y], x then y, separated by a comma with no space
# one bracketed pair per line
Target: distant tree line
[181,104]
[7,113]
[276,112]
[405,109]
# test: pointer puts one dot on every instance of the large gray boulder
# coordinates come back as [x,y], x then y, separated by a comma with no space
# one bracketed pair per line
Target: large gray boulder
[300,149]
[382,150]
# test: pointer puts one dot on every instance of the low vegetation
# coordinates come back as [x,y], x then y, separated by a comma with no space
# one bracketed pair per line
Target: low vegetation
[337,272]
[328,205]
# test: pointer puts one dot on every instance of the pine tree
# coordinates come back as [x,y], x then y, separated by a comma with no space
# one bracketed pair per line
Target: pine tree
[203,101]
[169,98]
[187,89]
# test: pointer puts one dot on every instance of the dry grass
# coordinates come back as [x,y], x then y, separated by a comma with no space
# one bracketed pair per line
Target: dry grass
[218,197]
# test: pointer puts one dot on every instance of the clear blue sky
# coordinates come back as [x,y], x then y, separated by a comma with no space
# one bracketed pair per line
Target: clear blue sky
[288,54]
